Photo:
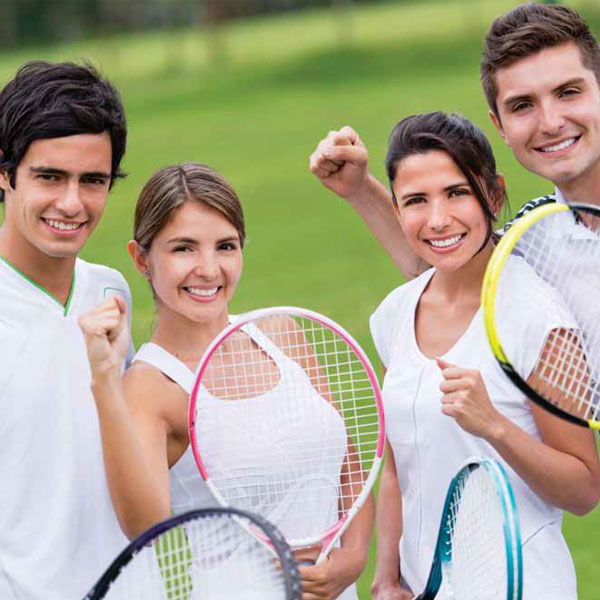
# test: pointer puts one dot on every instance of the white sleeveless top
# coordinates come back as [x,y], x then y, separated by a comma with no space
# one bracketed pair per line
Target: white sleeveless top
[188,490]
[279,425]
[429,447]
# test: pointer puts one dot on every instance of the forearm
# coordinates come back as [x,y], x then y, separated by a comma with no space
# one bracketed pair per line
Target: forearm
[389,531]
[134,489]
[373,202]
[559,478]
[357,537]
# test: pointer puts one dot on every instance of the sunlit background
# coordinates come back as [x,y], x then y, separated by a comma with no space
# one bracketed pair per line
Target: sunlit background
[249,87]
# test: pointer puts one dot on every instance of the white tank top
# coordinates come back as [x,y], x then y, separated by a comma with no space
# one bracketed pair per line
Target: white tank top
[188,490]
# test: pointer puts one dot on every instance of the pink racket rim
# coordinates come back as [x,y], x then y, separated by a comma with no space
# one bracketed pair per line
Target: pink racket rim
[293,311]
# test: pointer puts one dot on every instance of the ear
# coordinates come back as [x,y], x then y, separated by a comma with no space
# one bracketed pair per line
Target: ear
[139,258]
[498,125]
[5,181]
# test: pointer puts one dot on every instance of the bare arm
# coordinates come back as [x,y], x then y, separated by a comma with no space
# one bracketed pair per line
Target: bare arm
[134,447]
[562,469]
[344,565]
[340,162]
[386,583]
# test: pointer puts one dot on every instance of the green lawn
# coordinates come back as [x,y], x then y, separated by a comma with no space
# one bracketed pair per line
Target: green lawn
[256,116]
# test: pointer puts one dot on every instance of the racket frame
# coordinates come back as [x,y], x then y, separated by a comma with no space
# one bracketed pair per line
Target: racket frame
[330,537]
[512,535]
[489,290]
[255,525]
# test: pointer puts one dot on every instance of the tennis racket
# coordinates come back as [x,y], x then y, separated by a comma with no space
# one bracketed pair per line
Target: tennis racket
[546,270]
[211,554]
[286,421]
[478,550]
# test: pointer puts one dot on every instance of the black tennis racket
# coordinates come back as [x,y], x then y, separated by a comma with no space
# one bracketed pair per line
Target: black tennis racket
[211,554]
[546,269]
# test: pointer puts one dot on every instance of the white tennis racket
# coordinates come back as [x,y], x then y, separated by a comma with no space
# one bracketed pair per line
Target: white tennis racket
[286,420]
[211,554]
[478,551]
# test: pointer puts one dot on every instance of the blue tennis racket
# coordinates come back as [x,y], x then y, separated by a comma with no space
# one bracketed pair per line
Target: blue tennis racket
[211,554]
[478,551]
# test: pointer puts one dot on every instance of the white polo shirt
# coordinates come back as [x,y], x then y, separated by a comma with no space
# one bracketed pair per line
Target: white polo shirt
[429,447]
[58,530]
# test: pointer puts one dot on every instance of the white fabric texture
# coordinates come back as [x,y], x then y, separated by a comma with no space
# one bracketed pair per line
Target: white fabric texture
[58,530]
[430,447]
[188,490]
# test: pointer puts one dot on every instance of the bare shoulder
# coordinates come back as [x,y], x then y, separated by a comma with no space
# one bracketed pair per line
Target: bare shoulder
[148,390]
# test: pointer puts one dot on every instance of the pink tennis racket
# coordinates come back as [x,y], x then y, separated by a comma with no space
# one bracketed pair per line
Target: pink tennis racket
[286,421]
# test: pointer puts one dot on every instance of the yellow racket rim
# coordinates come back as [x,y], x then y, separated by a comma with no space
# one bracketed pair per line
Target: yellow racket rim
[503,250]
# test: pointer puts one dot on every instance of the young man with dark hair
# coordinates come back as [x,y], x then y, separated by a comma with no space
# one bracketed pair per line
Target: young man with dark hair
[62,138]
[540,74]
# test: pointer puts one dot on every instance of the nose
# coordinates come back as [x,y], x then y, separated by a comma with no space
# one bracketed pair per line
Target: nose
[551,118]
[70,202]
[439,216]
[207,266]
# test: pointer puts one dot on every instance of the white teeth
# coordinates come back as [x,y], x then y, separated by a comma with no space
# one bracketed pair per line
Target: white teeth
[445,243]
[62,225]
[202,292]
[560,146]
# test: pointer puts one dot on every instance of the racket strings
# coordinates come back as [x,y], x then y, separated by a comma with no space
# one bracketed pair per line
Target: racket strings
[565,255]
[476,568]
[216,557]
[300,420]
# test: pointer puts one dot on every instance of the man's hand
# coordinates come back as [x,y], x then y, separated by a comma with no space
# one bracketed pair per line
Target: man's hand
[340,163]
[106,336]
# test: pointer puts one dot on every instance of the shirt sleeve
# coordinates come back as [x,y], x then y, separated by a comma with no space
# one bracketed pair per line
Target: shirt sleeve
[383,325]
[533,311]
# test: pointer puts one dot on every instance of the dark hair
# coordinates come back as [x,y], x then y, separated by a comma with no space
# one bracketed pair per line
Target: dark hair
[528,29]
[457,136]
[171,187]
[52,100]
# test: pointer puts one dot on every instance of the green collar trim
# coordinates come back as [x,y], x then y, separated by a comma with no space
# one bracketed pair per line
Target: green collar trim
[43,289]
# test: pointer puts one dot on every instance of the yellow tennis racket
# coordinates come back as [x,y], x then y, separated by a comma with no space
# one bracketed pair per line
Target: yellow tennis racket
[541,308]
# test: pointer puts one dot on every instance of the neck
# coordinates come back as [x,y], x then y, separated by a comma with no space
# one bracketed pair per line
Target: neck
[186,339]
[54,274]
[465,282]
[585,189]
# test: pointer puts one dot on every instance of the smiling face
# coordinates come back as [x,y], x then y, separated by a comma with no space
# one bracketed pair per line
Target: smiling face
[61,187]
[194,264]
[440,215]
[549,114]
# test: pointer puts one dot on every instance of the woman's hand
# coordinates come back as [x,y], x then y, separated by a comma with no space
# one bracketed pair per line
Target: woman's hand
[327,580]
[466,400]
[390,591]
[106,336]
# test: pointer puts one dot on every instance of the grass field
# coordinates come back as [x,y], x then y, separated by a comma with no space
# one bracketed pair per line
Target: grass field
[256,116]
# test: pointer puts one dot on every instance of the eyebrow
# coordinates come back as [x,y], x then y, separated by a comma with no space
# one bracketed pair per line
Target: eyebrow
[564,84]
[62,172]
[189,240]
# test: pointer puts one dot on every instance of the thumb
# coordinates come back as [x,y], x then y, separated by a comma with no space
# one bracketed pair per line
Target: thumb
[120,303]
[443,364]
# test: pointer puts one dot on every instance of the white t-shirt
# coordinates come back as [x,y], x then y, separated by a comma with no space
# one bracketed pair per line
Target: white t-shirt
[58,530]
[429,447]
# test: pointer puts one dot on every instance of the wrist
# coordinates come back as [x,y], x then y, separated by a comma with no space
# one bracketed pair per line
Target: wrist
[105,375]
[497,430]
[367,192]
